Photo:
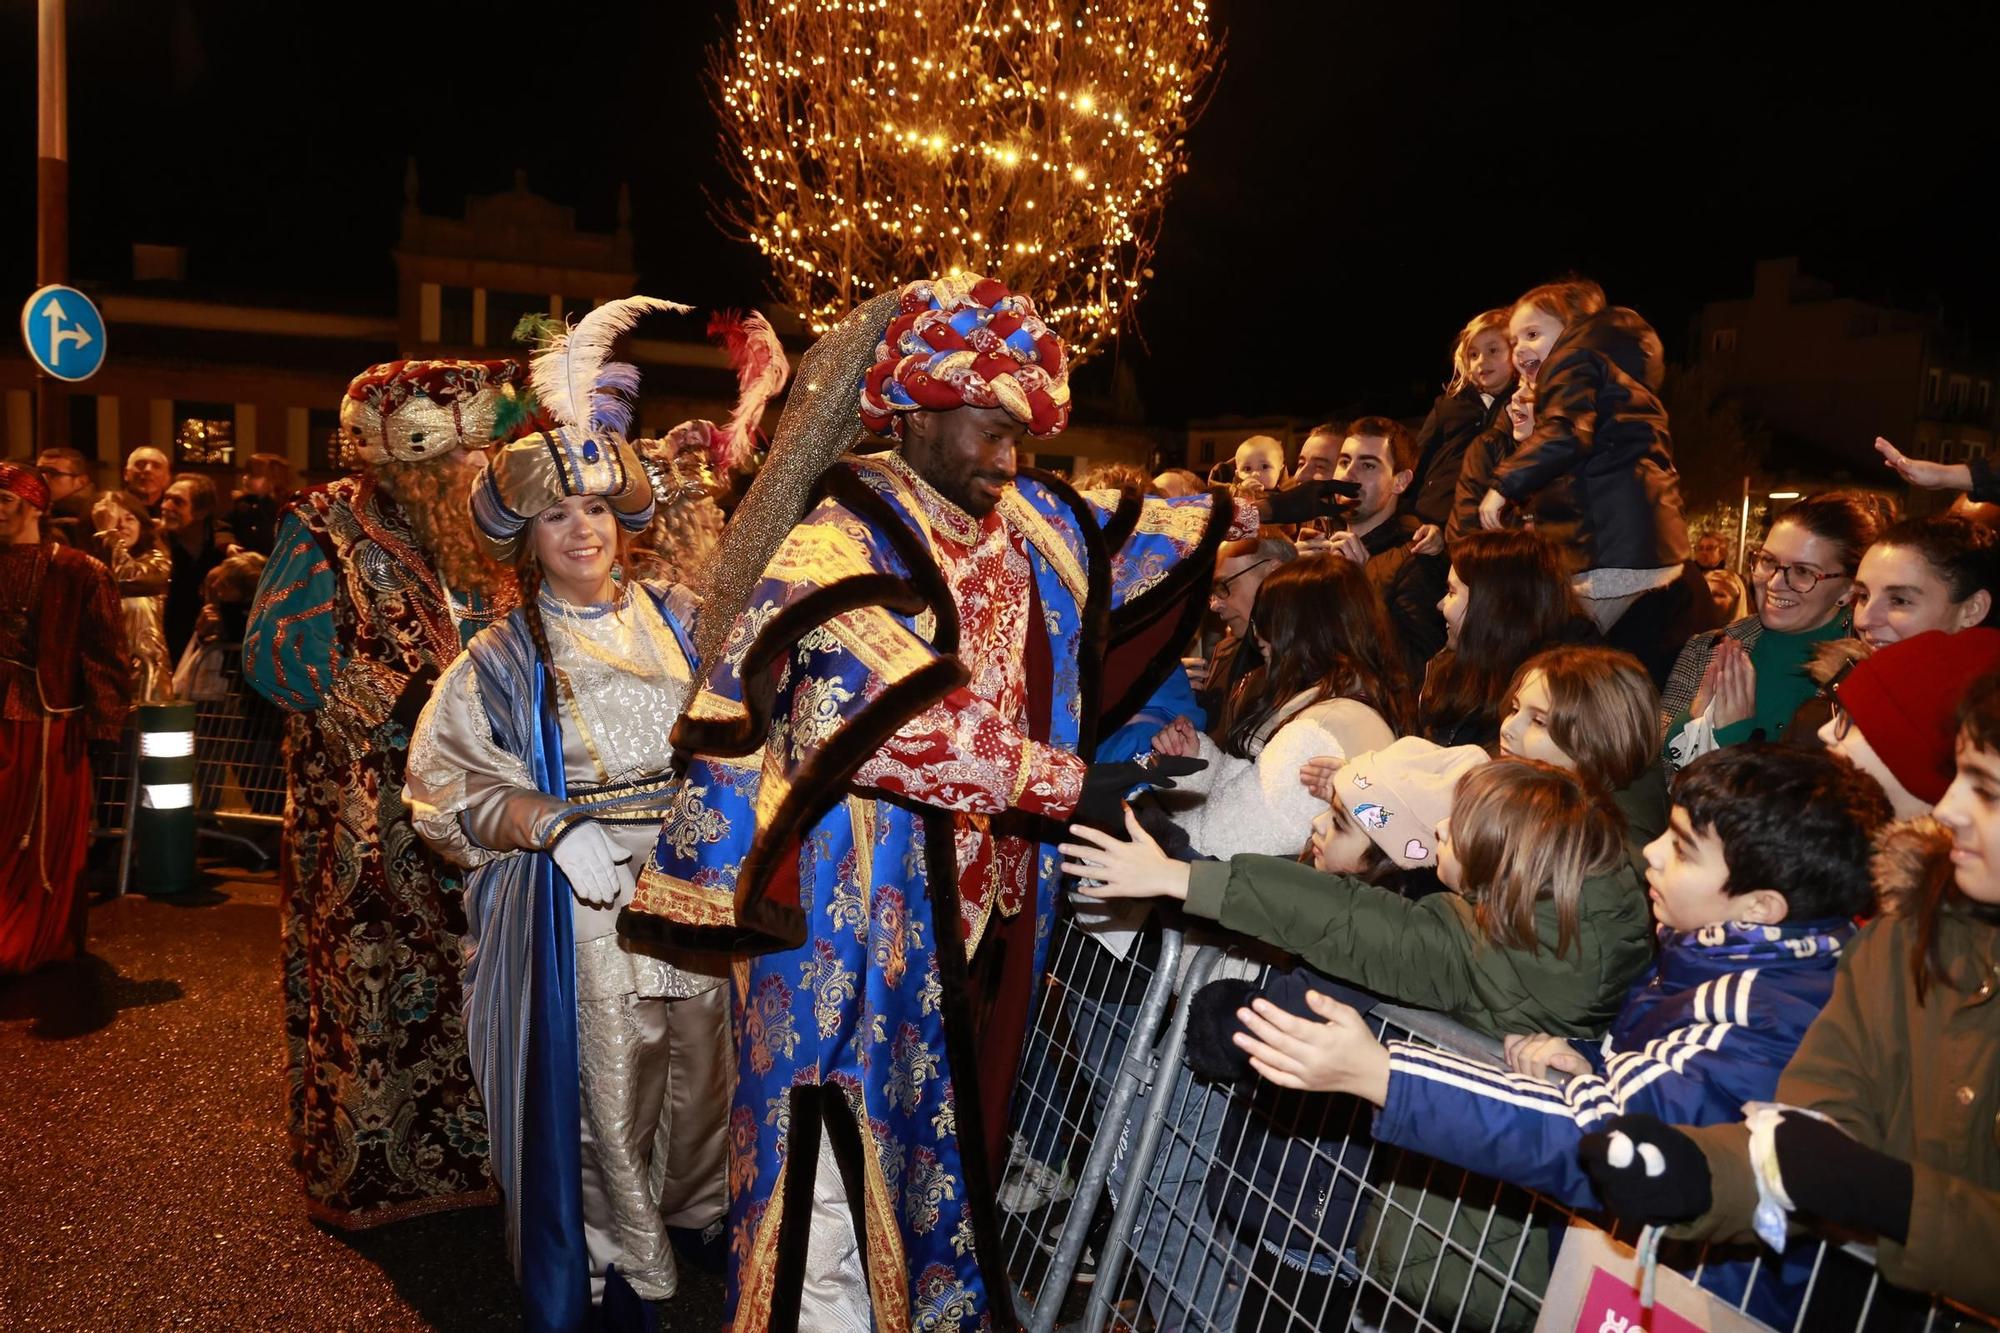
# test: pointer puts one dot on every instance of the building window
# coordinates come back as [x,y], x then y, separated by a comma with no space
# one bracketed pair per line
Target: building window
[323,438]
[1956,394]
[1948,452]
[1722,341]
[204,434]
[504,311]
[455,316]
[1974,449]
[1985,397]
[1936,388]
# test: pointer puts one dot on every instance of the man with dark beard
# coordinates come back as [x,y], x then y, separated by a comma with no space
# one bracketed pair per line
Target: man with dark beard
[373,587]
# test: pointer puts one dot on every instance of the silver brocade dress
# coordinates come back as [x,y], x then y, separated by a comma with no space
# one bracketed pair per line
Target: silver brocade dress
[653,1035]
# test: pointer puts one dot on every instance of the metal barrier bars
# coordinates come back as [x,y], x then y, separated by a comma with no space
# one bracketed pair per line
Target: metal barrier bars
[1248,1207]
[1089,1058]
[239,750]
[116,800]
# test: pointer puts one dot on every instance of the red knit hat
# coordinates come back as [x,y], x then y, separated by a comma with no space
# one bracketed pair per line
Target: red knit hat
[1905,700]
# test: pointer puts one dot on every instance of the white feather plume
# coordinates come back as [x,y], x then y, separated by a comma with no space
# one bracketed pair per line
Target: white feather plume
[574,378]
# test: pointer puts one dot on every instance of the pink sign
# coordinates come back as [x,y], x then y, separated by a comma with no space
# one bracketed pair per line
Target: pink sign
[1611,1305]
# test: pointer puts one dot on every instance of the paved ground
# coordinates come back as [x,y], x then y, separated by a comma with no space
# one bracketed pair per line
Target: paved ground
[143,1174]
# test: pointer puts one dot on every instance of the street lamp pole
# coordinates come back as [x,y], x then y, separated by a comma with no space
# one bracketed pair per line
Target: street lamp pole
[51,187]
[1743,527]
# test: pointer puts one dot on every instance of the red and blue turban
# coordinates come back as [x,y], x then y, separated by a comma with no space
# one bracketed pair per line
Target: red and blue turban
[966,342]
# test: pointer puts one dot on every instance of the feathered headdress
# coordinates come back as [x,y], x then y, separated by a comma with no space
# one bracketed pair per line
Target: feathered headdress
[587,400]
[761,370]
[576,381]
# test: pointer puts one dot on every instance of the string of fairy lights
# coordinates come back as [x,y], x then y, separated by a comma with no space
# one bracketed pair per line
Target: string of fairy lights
[873,143]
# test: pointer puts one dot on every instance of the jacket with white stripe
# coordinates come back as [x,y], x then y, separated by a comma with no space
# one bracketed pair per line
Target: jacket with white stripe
[1709,1026]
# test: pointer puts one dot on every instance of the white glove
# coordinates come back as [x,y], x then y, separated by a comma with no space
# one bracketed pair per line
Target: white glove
[591,860]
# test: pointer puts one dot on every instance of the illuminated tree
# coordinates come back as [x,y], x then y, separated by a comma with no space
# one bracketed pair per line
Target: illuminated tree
[875,143]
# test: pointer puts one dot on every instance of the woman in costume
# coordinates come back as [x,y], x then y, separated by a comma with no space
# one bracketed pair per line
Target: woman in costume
[540,763]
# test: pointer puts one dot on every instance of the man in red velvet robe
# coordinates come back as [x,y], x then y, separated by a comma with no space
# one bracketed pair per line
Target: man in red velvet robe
[64,681]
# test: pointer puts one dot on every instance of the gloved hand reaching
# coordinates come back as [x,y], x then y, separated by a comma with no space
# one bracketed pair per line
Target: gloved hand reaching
[1101,806]
[1647,1171]
[1308,500]
[1836,1179]
[591,860]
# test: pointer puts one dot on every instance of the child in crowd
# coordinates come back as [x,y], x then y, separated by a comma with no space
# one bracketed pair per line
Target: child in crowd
[1593,466]
[1883,1122]
[1545,931]
[1506,598]
[1277,1143]
[1482,372]
[1593,711]
[226,595]
[1747,680]
[1331,684]
[1754,885]
[1893,714]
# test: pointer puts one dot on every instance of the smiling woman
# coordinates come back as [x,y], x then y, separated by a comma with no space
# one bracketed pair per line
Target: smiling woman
[1749,679]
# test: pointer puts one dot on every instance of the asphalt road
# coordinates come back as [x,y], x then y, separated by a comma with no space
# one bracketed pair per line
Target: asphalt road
[144,1180]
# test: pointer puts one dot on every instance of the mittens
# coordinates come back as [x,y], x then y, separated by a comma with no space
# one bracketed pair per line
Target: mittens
[1647,1171]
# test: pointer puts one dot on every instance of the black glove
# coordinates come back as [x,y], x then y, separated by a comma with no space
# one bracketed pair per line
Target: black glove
[1838,1180]
[1160,826]
[1635,1191]
[1101,806]
[1211,1024]
[1310,500]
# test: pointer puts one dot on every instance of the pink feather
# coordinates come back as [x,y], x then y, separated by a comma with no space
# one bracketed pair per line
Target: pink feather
[761,371]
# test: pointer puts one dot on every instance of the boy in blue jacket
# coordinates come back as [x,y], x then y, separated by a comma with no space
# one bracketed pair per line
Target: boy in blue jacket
[1754,885]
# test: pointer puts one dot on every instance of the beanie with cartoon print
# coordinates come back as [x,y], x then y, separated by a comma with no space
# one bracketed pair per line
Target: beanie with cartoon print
[1400,793]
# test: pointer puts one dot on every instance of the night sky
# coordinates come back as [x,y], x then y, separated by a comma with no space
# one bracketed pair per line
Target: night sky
[1367,176]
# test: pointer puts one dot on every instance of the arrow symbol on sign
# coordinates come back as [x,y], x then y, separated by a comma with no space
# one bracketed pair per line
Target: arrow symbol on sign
[58,335]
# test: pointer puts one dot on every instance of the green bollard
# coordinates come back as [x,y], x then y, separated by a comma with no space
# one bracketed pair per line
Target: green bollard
[163,819]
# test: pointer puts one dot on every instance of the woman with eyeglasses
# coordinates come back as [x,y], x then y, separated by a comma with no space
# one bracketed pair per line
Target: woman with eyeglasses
[1747,680]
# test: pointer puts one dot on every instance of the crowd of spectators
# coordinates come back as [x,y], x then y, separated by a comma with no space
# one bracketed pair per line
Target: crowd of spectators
[163,535]
[1698,834]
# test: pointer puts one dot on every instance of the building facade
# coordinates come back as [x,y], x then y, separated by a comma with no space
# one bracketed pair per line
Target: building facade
[1826,374]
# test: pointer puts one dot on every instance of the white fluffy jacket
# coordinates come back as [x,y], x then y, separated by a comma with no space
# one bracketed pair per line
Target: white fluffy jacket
[1257,805]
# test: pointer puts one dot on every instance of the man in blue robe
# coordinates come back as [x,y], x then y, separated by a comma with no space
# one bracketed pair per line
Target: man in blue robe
[880,763]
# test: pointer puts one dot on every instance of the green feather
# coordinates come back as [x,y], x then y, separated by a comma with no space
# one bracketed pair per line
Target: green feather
[515,413]
[537,328]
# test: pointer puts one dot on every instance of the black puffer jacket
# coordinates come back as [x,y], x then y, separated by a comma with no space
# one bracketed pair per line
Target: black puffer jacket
[1598,473]
[1454,420]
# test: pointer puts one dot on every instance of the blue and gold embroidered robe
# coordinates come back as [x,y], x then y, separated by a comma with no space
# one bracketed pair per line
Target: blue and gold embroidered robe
[849,1013]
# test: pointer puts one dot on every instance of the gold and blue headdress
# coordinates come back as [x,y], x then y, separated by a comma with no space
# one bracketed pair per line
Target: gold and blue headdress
[587,399]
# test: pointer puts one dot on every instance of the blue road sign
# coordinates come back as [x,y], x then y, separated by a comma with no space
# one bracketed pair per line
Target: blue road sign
[64,332]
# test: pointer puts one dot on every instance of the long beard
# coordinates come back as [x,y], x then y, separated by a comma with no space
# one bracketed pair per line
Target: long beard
[436,499]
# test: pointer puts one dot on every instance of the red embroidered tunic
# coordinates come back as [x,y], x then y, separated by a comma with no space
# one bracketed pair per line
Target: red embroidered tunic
[972,752]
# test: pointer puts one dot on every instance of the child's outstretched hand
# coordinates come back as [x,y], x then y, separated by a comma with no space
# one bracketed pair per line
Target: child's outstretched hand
[1134,869]
[1537,1053]
[1316,775]
[1338,1055]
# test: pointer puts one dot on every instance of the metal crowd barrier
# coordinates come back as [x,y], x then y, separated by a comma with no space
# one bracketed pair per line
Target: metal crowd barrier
[239,741]
[1249,1207]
